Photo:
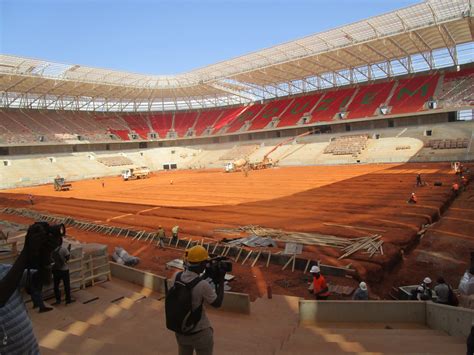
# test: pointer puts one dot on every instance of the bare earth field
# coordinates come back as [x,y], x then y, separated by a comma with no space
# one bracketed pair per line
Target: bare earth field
[372,197]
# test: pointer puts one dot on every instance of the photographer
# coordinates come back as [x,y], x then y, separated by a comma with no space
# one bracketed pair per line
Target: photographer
[16,330]
[198,333]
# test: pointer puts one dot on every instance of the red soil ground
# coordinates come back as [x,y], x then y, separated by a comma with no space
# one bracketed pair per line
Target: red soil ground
[293,199]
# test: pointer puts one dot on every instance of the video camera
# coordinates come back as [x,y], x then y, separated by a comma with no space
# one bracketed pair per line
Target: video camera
[217,266]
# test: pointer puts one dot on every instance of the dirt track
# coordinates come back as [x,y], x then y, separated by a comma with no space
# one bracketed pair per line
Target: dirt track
[294,199]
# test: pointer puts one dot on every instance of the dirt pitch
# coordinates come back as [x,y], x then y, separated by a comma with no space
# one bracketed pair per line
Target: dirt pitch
[311,199]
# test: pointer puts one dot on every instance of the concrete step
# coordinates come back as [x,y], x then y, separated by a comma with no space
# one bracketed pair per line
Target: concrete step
[59,341]
[377,331]
[305,338]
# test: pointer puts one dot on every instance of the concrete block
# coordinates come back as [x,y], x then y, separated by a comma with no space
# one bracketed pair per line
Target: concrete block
[138,277]
[456,321]
[233,301]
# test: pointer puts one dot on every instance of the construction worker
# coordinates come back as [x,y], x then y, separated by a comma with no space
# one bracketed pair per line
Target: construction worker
[419,182]
[31,199]
[174,232]
[442,290]
[464,181]
[361,294]
[200,337]
[412,198]
[427,293]
[160,234]
[319,286]
[455,189]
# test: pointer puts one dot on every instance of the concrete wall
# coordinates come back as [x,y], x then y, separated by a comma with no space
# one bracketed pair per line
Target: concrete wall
[311,312]
[233,301]
[455,321]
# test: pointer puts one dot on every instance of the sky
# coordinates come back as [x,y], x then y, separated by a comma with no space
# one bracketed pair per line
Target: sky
[167,37]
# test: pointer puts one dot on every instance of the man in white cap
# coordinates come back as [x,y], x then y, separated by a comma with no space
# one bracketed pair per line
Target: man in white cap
[427,292]
[423,292]
[361,294]
[319,286]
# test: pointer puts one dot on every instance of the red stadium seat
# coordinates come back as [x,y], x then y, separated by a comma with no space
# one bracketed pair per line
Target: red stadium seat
[273,109]
[368,99]
[121,133]
[297,109]
[246,115]
[411,94]
[206,119]
[183,121]
[332,103]
[139,124]
[161,123]
[227,117]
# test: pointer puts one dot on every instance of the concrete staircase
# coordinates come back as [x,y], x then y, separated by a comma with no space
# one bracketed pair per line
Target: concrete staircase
[120,318]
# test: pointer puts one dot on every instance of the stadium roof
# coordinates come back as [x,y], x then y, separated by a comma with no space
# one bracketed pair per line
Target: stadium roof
[390,44]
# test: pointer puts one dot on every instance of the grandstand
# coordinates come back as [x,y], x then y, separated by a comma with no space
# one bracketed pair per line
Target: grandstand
[348,116]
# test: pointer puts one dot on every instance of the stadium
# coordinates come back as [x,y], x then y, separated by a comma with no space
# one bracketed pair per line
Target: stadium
[302,154]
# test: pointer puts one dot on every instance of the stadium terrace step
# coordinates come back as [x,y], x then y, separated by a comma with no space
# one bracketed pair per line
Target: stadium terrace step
[62,341]
[373,340]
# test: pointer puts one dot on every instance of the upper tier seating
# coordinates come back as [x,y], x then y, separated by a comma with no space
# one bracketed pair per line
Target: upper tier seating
[184,121]
[408,96]
[332,103]
[272,109]
[227,116]
[368,99]
[161,123]
[206,119]
[139,124]
[246,115]
[297,109]
[411,94]
[457,88]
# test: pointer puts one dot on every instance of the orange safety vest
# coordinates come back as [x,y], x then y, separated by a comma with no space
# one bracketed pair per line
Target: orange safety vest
[320,284]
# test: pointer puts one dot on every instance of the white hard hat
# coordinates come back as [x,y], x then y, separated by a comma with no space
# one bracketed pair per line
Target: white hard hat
[427,280]
[363,286]
[314,270]
[420,288]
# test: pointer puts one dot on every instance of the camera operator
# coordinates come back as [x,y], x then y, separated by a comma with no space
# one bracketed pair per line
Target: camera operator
[16,330]
[200,337]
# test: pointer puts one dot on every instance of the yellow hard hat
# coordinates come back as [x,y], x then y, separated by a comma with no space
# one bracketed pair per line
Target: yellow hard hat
[196,254]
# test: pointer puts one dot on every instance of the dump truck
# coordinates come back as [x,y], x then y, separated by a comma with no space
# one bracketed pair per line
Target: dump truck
[136,173]
[236,165]
[60,184]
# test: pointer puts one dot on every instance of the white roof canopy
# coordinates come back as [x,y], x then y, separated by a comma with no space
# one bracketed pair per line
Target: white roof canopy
[348,54]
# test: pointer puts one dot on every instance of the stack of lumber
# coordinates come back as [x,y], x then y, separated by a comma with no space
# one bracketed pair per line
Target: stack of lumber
[371,244]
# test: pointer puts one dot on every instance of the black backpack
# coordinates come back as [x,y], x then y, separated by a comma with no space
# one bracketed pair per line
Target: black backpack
[180,317]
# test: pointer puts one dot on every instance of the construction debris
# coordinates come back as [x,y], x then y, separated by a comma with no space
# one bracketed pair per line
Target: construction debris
[371,244]
[252,241]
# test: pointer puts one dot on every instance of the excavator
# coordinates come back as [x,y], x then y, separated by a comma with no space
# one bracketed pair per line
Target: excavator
[265,163]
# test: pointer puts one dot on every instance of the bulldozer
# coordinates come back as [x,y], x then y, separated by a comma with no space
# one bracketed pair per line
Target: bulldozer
[60,184]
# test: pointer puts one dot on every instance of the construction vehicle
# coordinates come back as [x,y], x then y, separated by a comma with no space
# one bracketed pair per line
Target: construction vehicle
[265,163]
[136,173]
[237,165]
[60,184]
